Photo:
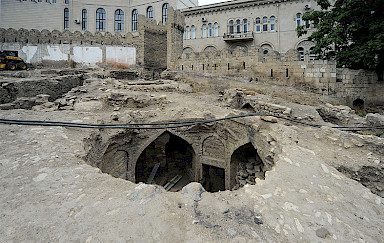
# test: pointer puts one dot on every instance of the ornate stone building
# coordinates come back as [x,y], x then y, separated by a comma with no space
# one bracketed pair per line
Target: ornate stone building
[118,16]
[265,23]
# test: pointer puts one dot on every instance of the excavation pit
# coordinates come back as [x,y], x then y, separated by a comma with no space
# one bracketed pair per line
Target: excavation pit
[176,157]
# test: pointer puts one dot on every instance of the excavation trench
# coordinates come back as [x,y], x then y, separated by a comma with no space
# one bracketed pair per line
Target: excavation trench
[173,160]
[25,91]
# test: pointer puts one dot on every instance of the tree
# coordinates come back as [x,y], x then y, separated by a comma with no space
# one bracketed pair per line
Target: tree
[349,31]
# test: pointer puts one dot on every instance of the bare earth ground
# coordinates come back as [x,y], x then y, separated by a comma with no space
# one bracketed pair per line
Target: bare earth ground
[49,194]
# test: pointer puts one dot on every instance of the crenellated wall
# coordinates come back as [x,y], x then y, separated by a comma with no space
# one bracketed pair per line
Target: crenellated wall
[144,50]
[251,63]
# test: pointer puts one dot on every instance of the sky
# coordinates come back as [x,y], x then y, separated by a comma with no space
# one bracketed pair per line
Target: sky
[205,2]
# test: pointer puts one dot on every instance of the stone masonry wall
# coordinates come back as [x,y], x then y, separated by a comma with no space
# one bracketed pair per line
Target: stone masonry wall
[148,46]
[320,76]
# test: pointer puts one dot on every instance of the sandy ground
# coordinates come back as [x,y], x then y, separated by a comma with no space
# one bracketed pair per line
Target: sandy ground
[49,194]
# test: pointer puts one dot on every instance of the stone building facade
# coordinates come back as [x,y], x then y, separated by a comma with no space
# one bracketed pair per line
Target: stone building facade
[118,16]
[145,51]
[268,24]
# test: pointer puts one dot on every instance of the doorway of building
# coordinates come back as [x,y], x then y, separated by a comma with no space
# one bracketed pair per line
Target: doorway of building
[167,159]
[213,178]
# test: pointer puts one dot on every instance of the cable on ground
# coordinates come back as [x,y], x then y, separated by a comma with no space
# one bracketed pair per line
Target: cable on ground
[172,124]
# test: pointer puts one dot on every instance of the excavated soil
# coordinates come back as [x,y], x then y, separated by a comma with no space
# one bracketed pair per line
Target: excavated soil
[314,184]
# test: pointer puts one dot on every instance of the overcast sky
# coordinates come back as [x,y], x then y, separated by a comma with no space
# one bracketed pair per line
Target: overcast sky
[205,2]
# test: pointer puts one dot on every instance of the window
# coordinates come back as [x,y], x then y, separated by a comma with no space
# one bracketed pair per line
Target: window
[258,27]
[204,30]
[265,53]
[53,1]
[230,27]
[119,20]
[210,31]
[193,32]
[84,19]
[312,56]
[238,26]
[66,18]
[100,19]
[165,12]
[65,1]
[150,12]
[40,1]
[134,20]
[245,25]
[298,19]
[307,24]
[301,51]
[188,35]
[265,24]
[272,20]
[216,29]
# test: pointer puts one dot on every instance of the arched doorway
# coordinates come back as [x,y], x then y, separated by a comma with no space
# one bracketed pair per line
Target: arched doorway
[168,157]
[246,166]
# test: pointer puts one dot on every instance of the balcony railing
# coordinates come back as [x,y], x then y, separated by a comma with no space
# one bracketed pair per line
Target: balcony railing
[238,36]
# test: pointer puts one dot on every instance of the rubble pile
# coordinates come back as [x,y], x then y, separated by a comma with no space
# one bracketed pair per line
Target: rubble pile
[248,172]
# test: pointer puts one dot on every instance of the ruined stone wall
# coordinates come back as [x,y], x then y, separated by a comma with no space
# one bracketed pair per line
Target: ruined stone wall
[212,145]
[175,29]
[319,76]
[154,40]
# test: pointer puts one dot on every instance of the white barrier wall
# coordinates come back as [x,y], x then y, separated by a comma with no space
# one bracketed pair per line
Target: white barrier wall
[86,55]
[121,55]
[57,53]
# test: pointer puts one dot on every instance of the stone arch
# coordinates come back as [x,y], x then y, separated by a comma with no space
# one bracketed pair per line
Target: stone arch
[266,49]
[171,154]
[209,48]
[245,166]
[240,51]
[304,47]
[115,161]
[187,51]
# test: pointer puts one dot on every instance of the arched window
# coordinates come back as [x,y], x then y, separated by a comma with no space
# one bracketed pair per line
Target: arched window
[216,29]
[84,19]
[312,56]
[210,31]
[150,12]
[265,53]
[204,30]
[134,20]
[165,12]
[265,23]
[272,20]
[245,25]
[301,51]
[188,35]
[258,27]
[298,19]
[238,26]
[230,27]
[66,19]
[100,19]
[193,32]
[119,20]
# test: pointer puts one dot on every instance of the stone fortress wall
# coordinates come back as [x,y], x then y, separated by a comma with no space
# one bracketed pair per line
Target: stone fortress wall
[146,49]
[320,76]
